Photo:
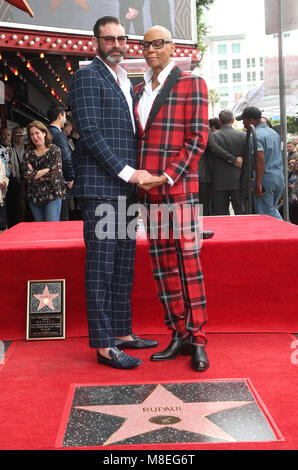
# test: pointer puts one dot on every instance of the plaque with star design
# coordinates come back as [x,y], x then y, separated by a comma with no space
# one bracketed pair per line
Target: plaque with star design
[46,309]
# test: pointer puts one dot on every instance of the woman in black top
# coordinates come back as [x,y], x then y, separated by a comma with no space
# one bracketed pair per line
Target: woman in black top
[42,171]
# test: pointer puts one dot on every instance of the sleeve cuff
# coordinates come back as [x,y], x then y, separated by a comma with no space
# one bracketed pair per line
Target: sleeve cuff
[170,180]
[126,173]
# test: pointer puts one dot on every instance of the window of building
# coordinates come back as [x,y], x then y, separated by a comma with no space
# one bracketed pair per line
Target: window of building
[235,48]
[236,89]
[248,63]
[261,61]
[224,91]
[223,78]
[222,49]
[236,63]
[253,62]
[223,64]
[224,104]
[236,77]
[251,76]
[262,75]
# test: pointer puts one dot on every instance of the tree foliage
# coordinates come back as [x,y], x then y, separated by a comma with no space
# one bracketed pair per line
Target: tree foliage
[213,98]
[201,25]
[292,124]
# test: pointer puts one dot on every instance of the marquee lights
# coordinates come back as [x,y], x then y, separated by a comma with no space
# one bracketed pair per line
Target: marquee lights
[29,66]
[68,64]
[52,70]
[77,44]
[12,69]
[58,44]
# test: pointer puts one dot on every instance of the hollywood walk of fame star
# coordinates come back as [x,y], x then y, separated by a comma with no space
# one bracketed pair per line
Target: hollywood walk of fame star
[163,409]
[45,299]
[56,3]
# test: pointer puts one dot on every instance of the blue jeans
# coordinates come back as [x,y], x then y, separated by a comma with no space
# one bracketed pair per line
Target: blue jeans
[266,205]
[47,212]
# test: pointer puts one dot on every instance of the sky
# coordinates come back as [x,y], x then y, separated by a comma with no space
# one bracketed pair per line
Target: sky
[236,16]
[248,17]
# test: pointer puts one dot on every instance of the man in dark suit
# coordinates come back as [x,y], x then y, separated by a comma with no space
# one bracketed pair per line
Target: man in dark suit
[227,170]
[172,116]
[206,168]
[105,161]
[57,117]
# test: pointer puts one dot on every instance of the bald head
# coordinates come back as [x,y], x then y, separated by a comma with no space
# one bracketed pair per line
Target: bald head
[165,33]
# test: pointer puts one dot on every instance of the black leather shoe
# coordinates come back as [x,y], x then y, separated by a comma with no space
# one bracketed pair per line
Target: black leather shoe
[176,346]
[119,360]
[199,360]
[137,343]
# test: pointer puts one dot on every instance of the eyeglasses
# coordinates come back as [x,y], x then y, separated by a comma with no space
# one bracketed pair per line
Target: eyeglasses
[156,43]
[111,39]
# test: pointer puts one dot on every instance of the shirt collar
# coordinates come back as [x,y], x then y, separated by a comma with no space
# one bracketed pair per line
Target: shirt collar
[163,74]
[120,72]
[57,127]
[262,124]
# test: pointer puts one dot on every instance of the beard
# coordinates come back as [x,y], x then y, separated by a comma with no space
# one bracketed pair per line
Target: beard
[108,57]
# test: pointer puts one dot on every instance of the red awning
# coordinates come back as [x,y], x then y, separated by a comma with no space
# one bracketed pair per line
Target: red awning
[22,5]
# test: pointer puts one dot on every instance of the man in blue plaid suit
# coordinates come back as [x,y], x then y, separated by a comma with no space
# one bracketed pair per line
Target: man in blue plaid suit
[105,162]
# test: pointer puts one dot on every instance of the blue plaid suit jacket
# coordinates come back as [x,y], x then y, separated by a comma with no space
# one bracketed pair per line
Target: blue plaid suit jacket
[107,141]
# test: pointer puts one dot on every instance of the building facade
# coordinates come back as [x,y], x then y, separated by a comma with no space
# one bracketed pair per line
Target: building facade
[231,69]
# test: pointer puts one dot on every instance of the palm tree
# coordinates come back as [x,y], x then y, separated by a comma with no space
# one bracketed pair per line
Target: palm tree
[214,98]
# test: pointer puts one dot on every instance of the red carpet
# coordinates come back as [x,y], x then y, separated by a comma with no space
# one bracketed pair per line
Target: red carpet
[37,378]
[249,269]
[251,284]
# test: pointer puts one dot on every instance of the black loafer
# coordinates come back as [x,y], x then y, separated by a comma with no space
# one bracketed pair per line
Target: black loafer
[199,360]
[137,343]
[176,346]
[119,360]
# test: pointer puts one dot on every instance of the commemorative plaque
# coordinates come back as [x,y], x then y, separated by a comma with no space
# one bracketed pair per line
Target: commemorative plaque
[46,309]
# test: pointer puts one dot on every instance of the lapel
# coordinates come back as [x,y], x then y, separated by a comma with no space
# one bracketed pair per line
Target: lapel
[161,98]
[106,74]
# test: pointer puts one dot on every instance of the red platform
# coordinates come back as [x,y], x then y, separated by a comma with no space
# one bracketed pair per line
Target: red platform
[249,266]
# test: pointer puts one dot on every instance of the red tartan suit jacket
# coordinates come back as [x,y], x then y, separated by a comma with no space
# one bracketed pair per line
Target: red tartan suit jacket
[177,136]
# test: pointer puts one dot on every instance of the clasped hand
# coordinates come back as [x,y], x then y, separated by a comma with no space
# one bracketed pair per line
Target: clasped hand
[146,181]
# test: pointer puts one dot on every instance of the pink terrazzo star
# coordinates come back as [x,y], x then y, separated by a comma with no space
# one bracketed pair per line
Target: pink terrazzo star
[45,299]
[163,409]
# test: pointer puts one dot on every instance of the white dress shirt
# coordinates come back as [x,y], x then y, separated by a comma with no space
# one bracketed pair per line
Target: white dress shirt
[125,84]
[149,95]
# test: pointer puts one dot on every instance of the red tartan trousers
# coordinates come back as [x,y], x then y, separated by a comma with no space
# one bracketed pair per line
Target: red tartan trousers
[172,225]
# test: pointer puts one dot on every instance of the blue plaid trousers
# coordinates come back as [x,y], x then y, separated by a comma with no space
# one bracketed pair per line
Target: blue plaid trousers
[109,270]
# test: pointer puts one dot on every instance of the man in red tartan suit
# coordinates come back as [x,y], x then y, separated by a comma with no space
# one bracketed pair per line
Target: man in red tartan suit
[172,115]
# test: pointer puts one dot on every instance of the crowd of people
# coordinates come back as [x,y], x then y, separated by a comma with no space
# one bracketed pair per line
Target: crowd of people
[292,148]
[221,168]
[36,171]
[27,193]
